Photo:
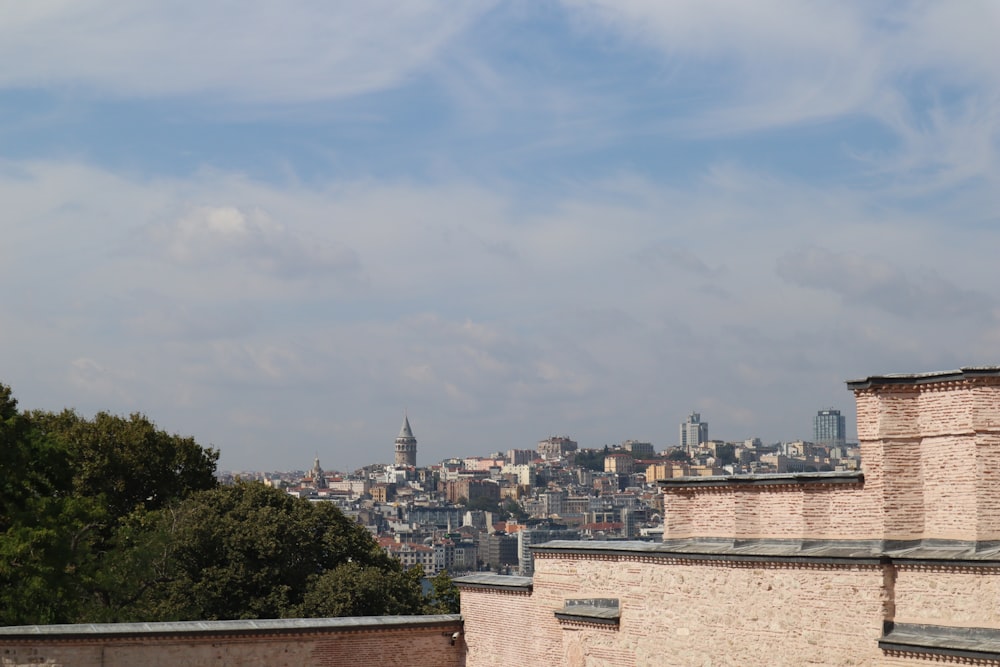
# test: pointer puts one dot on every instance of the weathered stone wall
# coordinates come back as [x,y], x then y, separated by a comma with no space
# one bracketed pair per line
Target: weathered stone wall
[394,643]
[684,612]
[946,595]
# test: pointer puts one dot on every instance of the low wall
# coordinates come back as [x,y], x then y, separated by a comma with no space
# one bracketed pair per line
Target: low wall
[386,641]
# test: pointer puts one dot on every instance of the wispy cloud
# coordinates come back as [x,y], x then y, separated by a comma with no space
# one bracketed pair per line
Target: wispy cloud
[255,51]
[916,295]
[209,236]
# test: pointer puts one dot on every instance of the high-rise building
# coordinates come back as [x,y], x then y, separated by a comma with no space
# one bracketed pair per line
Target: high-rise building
[829,428]
[693,432]
[406,446]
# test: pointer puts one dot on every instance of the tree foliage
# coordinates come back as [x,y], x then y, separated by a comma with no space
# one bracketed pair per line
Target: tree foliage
[444,597]
[591,459]
[111,519]
[678,455]
[250,551]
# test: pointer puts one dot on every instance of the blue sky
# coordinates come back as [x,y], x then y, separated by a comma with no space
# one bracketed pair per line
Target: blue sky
[277,228]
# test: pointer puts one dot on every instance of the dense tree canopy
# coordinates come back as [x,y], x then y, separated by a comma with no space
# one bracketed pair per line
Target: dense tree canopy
[112,519]
[591,459]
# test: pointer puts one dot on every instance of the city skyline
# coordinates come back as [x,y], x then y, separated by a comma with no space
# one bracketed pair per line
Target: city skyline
[276,230]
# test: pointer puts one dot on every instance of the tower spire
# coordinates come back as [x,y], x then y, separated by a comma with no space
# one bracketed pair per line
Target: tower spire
[406,445]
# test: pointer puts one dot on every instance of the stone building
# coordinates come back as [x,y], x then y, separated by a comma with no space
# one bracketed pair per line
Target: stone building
[896,564]
[556,447]
[406,446]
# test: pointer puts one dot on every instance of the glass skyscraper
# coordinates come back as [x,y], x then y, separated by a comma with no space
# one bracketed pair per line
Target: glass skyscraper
[829,428]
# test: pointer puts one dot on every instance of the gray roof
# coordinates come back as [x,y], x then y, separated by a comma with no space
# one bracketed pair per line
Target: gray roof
[962,642]
[405,433]
[485,580]
[257,626]
[924,378]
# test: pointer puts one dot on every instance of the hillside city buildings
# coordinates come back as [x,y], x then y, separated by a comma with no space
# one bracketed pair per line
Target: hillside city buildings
[484,513]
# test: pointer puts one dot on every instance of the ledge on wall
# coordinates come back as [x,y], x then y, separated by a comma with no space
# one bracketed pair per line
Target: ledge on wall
[495,581]
[940,640]
[597,611]
[264,626]
[769,479]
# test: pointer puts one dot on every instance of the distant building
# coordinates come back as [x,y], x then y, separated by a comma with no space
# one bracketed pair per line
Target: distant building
[556,447]
[829,428]
[639,449]
[526,538]
[517,457]
[501,551]
[317,476]
[623,463]
[406,446]
[693,432]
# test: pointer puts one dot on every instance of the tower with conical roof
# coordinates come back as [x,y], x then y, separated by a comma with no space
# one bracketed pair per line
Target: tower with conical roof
[406,446]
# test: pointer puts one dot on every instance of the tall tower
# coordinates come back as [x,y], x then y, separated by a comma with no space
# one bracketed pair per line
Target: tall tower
[693,432]
[406,446]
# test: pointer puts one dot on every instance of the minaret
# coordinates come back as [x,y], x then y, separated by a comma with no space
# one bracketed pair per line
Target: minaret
[406,446]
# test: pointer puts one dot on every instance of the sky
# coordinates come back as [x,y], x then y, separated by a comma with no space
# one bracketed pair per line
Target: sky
[278,227]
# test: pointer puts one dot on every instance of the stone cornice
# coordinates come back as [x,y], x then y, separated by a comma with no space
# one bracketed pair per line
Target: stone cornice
[791,480]
[950,644]
[989,374]
[923,553]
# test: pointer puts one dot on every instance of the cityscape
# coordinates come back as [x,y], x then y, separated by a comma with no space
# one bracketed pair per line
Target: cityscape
[484,512]
[464,334]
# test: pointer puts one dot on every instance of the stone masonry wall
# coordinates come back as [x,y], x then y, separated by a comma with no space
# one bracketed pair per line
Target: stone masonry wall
[685,612]
[943,595]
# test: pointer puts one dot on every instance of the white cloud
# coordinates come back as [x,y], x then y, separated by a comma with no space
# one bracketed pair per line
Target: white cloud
[252,50]
[573,329]
[207,236]
[921,294]
[928,72]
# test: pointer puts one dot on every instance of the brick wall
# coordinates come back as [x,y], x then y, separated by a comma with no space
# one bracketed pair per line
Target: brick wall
[385,641]
[504,622]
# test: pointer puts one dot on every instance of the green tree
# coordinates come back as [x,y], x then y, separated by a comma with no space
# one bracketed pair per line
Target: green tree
[678,455]
[484,504]
[444,595]
[590,459]
[353,589]
[250,551]
[128,461]
[68,486]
